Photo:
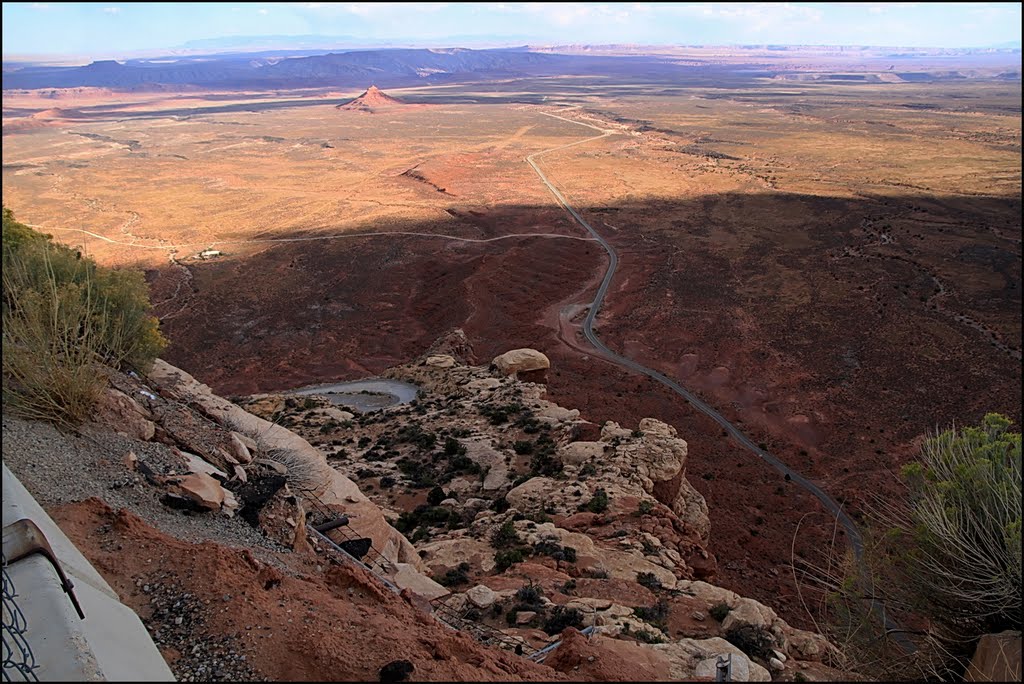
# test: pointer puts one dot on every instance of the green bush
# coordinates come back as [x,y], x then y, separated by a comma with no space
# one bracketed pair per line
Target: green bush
[455,577]
[505,536]
[948,555]
[599,502]
[560,618]
[646,507]
[756,642]
[62,316]
[436,496]
[719,611]
[648,579]
[529,597]
[656,615]
[503,560]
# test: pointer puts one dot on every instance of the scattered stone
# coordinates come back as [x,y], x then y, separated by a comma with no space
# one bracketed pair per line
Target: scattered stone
[201,488]
[524,617]
[481,596]
[238,449]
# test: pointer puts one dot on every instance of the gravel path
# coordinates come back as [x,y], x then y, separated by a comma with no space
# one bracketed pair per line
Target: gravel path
[59,468]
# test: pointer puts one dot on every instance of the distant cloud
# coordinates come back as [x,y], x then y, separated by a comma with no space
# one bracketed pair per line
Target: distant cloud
[41,6]
[112,10]
[263,11]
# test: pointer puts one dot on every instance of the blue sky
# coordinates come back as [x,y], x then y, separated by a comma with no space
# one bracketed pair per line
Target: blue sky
[115,30]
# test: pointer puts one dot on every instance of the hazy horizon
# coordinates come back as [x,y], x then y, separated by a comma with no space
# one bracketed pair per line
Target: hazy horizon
[106,30]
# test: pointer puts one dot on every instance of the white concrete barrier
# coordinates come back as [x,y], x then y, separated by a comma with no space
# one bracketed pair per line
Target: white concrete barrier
[110,644]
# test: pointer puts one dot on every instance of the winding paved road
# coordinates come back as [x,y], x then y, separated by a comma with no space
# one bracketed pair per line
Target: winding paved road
[852,533]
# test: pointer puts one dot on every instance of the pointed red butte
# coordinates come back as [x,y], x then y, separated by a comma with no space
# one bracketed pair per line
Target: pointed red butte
[373,98]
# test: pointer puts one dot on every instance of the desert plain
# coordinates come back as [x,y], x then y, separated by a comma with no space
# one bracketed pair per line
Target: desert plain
[834,264]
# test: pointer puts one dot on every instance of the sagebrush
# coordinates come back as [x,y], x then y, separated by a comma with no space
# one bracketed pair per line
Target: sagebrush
[63,318]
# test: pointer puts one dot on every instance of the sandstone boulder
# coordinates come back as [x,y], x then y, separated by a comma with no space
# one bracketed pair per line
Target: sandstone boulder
[408,577]
[525,617]
[198,465]
[201,488]
[123,414]
[519,361]
[483,384]
[446,554]
[749,613]
[481,596]
[577,453]
[996,659]
[439,361]
[618,564]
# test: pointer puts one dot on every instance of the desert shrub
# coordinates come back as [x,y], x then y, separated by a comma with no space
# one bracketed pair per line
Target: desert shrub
[756,642]
[436,496]
[460,464]
[421,475]
[596,573]
[949,553]
[587,470]
[719,611]
[505,536]
[455,577]
[62,316]
[560,618]
[645,507]
[453,447]
[656,615]
[414,434]
[528,597]
[503,560]
[387,482]
[499,414]
[539,516]
[523,447]
[305,471]
[647,636]
[648,579]
[555,550]
[599,502]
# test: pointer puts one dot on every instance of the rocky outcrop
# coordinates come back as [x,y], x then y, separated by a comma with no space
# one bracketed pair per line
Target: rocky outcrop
[529,514]
[691,659]
[333,488]
[525,364]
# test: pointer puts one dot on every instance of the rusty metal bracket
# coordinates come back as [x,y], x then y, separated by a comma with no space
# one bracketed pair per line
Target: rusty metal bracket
[22,539]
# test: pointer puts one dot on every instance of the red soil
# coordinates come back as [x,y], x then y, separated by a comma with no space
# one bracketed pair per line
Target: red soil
[779,371]
[302,624]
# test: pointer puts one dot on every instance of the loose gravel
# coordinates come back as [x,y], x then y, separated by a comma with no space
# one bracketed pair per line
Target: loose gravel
[59,468]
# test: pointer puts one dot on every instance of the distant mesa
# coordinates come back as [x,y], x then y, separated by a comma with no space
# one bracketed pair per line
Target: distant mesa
[373,98]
